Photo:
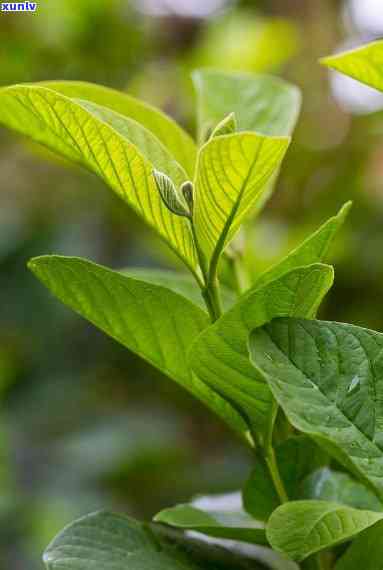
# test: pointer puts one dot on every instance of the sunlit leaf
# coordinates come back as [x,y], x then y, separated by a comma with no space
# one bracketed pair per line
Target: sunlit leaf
[363,63]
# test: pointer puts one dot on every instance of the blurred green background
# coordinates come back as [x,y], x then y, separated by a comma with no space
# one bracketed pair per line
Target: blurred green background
[84,424]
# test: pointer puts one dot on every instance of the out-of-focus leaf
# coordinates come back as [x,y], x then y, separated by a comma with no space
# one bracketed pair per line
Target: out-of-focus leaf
[363,63]
[327,485]
[181,283]
[219,356]
[261,103]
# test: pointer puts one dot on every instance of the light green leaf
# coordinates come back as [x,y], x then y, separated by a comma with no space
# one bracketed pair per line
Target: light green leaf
[365,552]
[152,321]
[261,103]
[363,63]
[327,378]
[175,139]
[182,283]
[296,457]
[68,128]
[227,126]
[301,528]
[219,356]
[327,485]
[314,249]
[232,173]
[236,525]
[108,541]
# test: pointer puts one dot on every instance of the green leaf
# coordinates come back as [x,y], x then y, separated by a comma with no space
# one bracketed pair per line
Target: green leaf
[314,249]
[227,126]
[326,377]
[108,541]
[235,525]
[296,457]
[363,63]
[232,174]
[68,128]
[152,321]
[170,195]
[175,139]
[327,485]
[365,552]
[301,528]
[261,103]
[219,356]
[182,283]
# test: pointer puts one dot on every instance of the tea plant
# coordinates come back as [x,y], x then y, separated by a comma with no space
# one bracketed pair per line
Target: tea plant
[307,401]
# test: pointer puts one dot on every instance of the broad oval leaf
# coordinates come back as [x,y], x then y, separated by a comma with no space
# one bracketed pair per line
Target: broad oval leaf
[175,139]
[301,528]
[111,541]
[219,356]
[233,525]
[312,250]
[363,63]
[68,128]
[261,103]
[365,552]
[327,378]
[151,320]
[231,176]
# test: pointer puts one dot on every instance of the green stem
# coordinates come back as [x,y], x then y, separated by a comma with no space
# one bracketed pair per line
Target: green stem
[314,562]
[271,462]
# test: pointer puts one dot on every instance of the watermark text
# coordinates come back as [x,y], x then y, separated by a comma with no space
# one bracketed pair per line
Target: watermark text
[18,6]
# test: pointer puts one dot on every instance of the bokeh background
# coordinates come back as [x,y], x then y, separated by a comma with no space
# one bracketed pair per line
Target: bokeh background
[84,424]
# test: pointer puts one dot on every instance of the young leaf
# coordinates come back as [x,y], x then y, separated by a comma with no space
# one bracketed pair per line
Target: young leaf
[232,173]
[172,136]
[327,378]
[363,63]
[227,126]
[327,485]
[297,457]
[301,528]
[219,356]
[68,128]
[169,195]
[149,319]
[260,103]
[235,525]
[314,249]
[365,552]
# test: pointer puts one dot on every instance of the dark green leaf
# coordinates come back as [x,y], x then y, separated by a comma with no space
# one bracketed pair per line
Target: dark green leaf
[366,552]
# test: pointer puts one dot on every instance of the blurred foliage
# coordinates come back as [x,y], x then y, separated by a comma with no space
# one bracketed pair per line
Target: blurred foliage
[83,423]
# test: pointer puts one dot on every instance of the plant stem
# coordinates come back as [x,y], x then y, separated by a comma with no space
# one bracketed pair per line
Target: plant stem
[271,462]
[314,562]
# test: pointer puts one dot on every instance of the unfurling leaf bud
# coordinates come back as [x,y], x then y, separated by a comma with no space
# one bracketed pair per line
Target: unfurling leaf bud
[169,194]
[187,191]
